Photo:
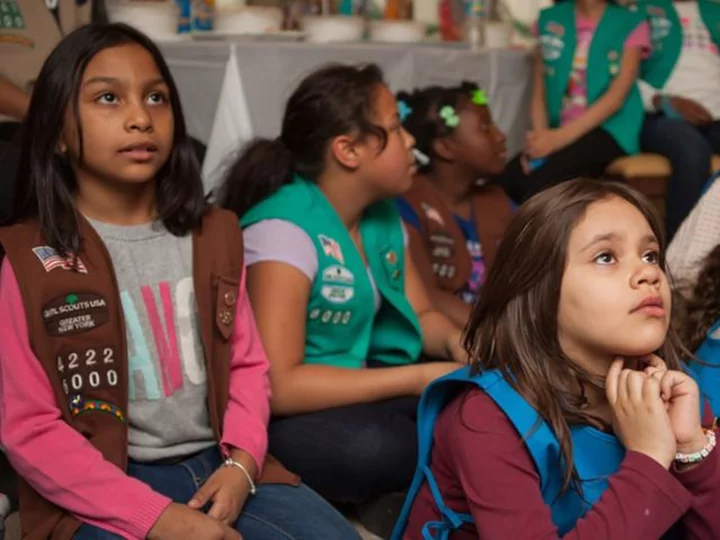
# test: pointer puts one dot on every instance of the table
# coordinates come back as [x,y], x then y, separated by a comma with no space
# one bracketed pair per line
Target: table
[234,91]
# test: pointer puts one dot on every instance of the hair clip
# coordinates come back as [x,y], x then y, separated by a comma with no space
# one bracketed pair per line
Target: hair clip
[421,158]
[404,110]
[449,116]
[479,97]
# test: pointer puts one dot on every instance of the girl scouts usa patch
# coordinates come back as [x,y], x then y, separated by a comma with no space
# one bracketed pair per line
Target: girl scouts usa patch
[75,313]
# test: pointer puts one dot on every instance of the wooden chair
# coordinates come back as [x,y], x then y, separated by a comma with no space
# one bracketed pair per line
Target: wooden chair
[649,174]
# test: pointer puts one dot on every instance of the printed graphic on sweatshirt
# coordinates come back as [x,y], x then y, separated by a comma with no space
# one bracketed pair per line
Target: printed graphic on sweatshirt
[171,334]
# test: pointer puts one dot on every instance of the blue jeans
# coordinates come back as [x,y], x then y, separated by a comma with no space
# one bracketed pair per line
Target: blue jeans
[689,149]
[276,512]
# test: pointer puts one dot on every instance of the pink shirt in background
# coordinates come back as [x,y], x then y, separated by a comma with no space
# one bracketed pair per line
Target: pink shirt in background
[61,465]
[575,102]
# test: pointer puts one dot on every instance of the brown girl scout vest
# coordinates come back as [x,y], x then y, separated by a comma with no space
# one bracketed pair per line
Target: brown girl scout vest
[441,235]
[77,332]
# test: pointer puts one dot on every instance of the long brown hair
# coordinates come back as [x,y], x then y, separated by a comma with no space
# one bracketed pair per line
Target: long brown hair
[702,308]
[514,324]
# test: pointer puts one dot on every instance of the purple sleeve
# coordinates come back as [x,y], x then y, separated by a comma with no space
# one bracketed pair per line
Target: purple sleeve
[278,240]
[501,485]
[703,482]
[54,459]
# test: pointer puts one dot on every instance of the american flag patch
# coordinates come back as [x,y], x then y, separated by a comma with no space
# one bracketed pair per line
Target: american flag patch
[331,248]
[51,260]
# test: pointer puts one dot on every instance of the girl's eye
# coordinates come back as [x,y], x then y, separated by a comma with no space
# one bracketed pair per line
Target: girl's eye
[605,258]
[156,98]
[108,98]
[652,257]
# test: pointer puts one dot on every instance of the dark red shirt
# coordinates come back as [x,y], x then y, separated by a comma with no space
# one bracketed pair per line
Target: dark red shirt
[483,468]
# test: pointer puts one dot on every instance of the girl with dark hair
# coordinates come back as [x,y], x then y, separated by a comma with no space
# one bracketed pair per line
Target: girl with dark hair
[575,419]
[455,218]
[586,110]
[332,288]
[135,392]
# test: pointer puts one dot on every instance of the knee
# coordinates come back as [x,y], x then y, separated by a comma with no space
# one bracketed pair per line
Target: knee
[681,143]
[381,451]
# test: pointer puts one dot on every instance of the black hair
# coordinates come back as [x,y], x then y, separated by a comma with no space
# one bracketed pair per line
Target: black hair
[46,181]
[334,100]
[424,122]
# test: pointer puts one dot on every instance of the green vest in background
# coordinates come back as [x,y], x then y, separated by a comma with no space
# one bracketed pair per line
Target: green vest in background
[558,39]
[667,35]
[341,327]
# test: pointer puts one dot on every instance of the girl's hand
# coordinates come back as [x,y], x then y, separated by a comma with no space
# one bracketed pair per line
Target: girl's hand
[540,144]
[639,416]
[228,489]
[179,521]
[682,398]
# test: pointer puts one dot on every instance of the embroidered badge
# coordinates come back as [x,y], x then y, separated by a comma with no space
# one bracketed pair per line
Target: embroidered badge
[75,313]
[346,317]
[337,294]
[314,314]
[441,252]
[326,316]
[14,39]
[80,405]
[441,238]
[432,214]
[331,248]
[551,47]
[338,274]
[51,259]
[10,16]
[90,368]
[555,28]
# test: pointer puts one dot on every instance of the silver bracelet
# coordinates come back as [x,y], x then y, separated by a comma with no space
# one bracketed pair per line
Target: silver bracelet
[230,462]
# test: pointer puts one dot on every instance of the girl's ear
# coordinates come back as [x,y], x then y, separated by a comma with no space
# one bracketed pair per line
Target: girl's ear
[444,148]
[345,150]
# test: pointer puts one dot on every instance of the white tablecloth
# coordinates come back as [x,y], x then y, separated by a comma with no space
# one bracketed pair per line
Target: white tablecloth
[234,91]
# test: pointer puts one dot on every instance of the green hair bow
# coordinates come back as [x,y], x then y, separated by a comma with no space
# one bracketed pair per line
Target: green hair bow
[479,97]
[449,116]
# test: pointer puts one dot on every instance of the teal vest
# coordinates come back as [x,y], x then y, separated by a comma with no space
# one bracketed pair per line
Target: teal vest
[707,371]
[557,32]
[597,455]
[667,36]
[341,328]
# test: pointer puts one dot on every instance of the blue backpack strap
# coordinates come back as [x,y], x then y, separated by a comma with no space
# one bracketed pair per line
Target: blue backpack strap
[540,441]
[432,402]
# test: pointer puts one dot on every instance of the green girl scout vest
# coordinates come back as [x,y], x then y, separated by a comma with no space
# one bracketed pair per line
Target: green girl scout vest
[667,35]
[556,28]
[342,329]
